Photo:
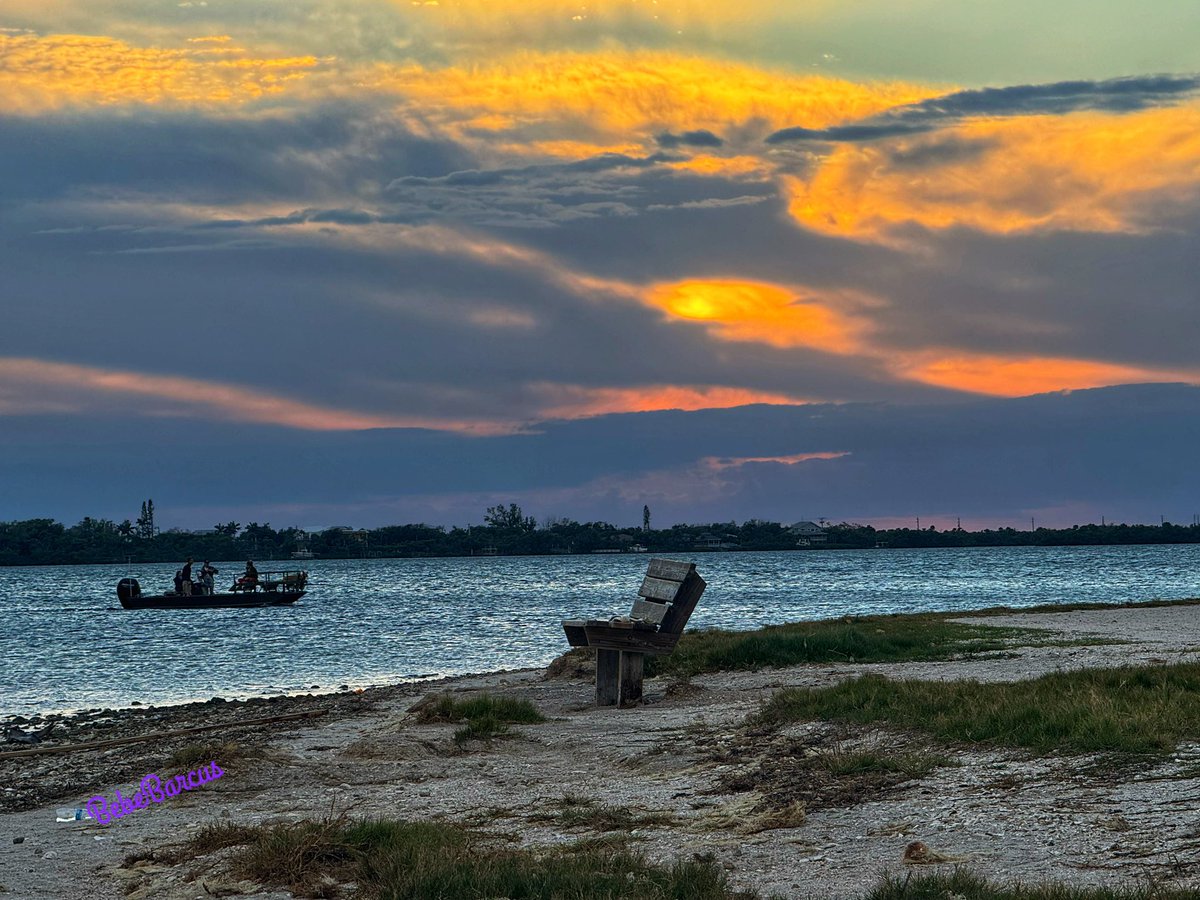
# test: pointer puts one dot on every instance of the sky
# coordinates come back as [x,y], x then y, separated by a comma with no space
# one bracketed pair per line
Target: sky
[373,262]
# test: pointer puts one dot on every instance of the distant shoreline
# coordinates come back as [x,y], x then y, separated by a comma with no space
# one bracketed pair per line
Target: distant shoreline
[664,551]
[44,542]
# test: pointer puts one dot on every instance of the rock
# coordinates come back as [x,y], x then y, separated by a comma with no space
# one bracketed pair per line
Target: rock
[18,840]
[50,854]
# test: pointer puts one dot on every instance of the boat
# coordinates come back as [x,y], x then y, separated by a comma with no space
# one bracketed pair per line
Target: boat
[271,589]
[303,553]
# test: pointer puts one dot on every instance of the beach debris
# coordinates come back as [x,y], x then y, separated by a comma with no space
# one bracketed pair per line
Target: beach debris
[17,736]
[918,853]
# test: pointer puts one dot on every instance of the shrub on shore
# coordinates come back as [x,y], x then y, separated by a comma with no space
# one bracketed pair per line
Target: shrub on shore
[1128,710]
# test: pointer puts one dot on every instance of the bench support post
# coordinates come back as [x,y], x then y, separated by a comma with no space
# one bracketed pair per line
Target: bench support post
[619,677]
[607,677]
[631,677]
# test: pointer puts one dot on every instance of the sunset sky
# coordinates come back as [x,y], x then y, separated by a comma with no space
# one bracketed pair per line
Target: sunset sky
[379,261]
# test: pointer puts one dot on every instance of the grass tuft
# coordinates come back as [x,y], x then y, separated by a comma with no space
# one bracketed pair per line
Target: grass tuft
[448,708]
[1129,710]
[487,716]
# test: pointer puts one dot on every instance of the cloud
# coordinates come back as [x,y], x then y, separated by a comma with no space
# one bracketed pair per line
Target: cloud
[1022,376]
[1118,95]
[764,313]
[43,73]
[39,386]
[1087,171]
[1121,452]
[619,101]
[701,138]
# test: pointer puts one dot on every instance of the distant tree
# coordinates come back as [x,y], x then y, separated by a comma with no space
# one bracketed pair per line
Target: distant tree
[145,522]
[511,517]
[229,528]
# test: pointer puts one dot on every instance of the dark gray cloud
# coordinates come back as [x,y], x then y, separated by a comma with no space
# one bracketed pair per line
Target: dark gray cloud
[1120,452]
[1116,95]
[701,138]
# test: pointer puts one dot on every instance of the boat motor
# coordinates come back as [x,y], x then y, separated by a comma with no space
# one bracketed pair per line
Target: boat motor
[128,589]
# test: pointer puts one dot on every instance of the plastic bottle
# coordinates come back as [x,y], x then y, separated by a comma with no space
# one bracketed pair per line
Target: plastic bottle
[71,815]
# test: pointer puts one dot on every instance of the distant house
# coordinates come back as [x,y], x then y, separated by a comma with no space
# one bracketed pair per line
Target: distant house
[709,541]
[808,533]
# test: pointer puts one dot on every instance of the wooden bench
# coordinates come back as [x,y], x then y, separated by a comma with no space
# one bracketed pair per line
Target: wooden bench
[665,602]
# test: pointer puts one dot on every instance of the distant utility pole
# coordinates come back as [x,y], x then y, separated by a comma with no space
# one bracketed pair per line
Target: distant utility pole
[1031,525]
[918,523]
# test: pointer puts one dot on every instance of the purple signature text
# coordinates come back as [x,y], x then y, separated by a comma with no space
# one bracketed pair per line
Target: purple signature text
[152,788]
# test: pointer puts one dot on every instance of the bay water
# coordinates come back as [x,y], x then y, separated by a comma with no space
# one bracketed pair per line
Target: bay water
[67,644]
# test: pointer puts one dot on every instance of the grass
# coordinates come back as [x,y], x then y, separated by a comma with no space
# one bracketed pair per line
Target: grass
[963,885]
[925,636]
[1129,710]
[448,708]
[487,716]
[580,812]
[1077,607]
[424,860]
[843,763]
[193,755]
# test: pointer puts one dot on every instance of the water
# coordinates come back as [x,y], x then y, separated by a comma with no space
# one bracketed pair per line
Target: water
[67,644]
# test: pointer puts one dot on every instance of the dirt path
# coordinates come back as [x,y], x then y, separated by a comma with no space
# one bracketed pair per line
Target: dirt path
[685,753]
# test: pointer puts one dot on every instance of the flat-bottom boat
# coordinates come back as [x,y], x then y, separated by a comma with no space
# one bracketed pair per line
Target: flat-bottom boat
[271,589]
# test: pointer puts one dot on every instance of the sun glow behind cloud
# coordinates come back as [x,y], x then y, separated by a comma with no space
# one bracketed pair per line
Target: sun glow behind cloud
[765,313]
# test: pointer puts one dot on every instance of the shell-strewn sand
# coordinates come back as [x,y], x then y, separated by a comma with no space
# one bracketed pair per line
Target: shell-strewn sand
[1004,814]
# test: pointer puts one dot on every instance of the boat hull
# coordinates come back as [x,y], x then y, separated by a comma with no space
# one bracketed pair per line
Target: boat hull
[237,600]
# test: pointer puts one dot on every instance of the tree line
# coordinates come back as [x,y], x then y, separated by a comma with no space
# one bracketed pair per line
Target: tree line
[507,530]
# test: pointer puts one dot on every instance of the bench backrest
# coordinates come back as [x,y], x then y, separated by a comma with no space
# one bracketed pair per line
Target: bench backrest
[668,595]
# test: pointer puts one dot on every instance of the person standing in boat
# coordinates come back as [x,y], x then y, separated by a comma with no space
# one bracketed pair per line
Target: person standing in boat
[206,577]
[186,578]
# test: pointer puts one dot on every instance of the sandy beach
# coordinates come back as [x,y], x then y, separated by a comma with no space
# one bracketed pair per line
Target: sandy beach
[686,757]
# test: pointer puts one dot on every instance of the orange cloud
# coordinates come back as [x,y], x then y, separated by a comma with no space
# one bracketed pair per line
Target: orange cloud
[32,386]
[733,462]
[1011,376]
[1084,172]
[753,311]
[606,98]
[576,402]
[41,73]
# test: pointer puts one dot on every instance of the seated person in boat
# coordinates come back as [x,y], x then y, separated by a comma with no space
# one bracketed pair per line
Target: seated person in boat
[249,581]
